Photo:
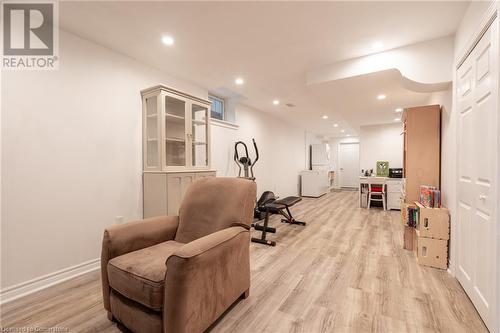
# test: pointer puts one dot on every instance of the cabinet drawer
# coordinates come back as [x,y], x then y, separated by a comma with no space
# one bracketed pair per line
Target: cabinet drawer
[394,187]
[394,200]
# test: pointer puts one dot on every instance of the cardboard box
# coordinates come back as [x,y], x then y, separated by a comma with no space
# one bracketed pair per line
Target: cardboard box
[408,238]
[433,222]
[415,242]
[431,252]
[404,212]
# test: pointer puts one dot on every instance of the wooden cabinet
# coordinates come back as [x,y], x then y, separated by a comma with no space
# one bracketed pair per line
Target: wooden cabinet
[176,147]
[422,149]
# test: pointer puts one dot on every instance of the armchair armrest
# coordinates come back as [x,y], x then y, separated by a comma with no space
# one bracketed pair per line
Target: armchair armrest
[132,236]
[204,277]
[204,244]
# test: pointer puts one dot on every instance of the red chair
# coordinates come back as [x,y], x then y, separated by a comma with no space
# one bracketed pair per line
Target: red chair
[376,190]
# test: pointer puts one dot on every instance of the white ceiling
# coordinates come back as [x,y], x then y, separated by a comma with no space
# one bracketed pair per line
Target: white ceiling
[271,45]
[355,97]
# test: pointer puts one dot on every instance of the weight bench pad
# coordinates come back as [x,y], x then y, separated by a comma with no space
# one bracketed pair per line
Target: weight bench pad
[288,201]
[273,207]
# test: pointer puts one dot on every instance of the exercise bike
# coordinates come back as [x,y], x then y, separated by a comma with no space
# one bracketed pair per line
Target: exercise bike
[268,204]
[245,160]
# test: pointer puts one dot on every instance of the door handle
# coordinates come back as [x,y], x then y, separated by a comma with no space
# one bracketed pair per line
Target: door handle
[482,197]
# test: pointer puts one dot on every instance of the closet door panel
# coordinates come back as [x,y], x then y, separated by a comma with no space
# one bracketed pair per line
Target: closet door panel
[477,103]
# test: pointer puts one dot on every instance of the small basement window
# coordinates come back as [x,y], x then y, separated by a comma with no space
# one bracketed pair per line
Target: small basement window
[217,111]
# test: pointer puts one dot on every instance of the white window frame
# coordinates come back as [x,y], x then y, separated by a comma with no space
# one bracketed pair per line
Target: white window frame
[223,101]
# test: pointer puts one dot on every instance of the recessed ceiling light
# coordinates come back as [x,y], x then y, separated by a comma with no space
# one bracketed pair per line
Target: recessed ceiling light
[239,81]
[348,135]
[325,117]
[276,102]
[377,46]
[167,40]
[399,110]
[381,96]
[335,125]
[342,131]
[397,119]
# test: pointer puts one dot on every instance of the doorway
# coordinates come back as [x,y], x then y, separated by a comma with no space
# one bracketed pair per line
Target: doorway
[349,164]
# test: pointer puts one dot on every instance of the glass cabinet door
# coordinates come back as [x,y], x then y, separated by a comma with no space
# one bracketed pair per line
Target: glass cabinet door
[175,132]
[152,158]
[199,132]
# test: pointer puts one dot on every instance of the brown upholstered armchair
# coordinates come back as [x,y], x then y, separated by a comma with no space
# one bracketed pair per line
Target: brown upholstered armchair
[180,273]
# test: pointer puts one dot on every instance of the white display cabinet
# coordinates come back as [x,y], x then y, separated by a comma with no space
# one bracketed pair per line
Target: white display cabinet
[176,146]
[176,130]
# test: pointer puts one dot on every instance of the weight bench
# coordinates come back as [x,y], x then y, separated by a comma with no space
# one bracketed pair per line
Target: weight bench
[269,205]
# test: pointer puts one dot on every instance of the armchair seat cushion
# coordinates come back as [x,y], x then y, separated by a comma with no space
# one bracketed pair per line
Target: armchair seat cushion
[140,275]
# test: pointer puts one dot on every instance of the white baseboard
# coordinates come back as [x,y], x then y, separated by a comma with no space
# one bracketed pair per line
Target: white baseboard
[451,268]
[25,288]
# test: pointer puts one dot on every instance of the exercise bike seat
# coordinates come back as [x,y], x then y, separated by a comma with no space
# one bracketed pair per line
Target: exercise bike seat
[288,201]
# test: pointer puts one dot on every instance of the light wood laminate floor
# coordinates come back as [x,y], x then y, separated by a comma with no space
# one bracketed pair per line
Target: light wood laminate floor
[345,271]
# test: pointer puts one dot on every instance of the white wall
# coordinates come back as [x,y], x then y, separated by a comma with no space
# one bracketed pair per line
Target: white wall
[448,145]
[281,150]
[71,155]
[381,143]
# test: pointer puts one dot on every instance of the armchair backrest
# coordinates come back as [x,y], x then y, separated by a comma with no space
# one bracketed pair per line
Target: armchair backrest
[211,204]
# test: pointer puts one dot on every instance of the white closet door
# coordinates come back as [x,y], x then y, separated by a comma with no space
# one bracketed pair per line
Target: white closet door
[477,214]
[349,164]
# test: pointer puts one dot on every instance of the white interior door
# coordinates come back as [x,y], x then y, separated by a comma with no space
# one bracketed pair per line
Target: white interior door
[477,214]
[349,164]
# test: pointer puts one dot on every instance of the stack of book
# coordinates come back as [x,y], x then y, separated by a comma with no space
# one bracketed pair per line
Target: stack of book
[410,216]
[430,196]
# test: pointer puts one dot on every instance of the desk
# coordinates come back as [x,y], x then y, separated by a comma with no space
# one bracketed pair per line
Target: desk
[393,190]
